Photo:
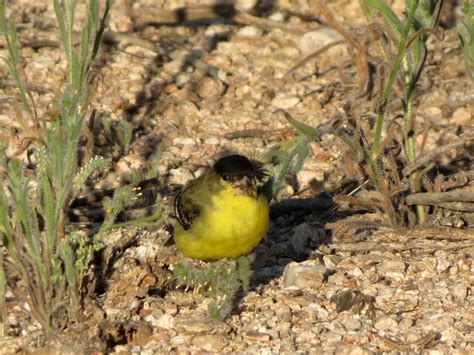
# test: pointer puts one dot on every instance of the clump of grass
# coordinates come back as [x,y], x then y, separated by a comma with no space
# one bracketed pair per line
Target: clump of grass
[397,53]
[220,280]
[38,245]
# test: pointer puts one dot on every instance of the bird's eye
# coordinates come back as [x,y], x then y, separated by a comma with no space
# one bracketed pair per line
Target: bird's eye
[225,177]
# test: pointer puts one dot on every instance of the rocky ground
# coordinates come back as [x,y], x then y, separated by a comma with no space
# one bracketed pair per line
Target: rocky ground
[197,89]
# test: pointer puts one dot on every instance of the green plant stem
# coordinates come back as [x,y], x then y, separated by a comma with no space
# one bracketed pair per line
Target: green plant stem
[3,284]
[410,142]
[401,55]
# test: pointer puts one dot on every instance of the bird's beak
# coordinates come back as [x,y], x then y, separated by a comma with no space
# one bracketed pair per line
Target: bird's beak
[247,186]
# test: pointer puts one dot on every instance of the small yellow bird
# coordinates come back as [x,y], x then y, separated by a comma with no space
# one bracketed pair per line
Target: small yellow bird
[222,213]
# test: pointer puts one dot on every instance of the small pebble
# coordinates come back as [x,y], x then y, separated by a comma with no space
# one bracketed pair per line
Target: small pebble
[386,323]
[304,275]
[209,88]
[250,31]
[352,324]
[285,102]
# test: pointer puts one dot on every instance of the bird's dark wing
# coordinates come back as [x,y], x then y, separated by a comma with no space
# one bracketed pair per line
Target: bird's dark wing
[186,206]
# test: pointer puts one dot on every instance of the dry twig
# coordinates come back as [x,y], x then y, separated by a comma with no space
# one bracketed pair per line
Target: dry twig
[435,198]
[425,245]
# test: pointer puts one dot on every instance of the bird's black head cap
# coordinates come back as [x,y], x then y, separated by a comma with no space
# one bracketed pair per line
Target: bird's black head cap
[236,166]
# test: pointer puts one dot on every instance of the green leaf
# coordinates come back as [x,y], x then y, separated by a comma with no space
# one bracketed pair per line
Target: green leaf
[304,128]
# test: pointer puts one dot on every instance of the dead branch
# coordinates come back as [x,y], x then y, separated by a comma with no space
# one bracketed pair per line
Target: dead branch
[457,206]
[365,247]
[435,198]
[32,87]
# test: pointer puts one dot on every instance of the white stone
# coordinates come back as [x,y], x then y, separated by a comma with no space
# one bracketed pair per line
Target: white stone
[462,116]
[285,102]
[304,275]
[312,41]
[386,323]
[442,264]
[184,141]
[212,141]
[250,31]
[166,321]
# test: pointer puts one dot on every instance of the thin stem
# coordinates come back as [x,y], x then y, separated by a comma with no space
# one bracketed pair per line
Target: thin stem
[401,54]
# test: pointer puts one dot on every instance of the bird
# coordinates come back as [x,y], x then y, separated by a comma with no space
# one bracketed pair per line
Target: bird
[224,213]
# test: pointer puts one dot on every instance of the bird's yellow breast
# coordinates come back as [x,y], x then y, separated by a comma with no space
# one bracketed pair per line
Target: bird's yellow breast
[228,226]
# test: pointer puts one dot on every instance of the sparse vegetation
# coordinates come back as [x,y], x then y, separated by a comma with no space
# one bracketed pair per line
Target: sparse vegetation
[397,52]
[40,249]
[220,280]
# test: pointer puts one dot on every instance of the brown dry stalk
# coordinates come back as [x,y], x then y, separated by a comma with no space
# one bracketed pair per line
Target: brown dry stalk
[357,201]
[426,245]
[32,87]
[363,69]
[437,184]
[434,198]
[386,203]
[89,137]
[361,59]
[457,206]
[312,56]
[375,32]
[435,233]
[330,19]
[436,31]
[366,221]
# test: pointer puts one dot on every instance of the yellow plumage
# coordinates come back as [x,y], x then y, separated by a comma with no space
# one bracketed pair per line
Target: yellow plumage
[227,222]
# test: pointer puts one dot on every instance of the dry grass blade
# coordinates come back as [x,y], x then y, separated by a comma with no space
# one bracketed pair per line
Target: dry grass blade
[357,201]
[360,48]
[457,206]
[386,205]
[367,221]
[312,56]
[436,31]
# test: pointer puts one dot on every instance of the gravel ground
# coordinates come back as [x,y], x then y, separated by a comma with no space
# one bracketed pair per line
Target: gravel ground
[194,92]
